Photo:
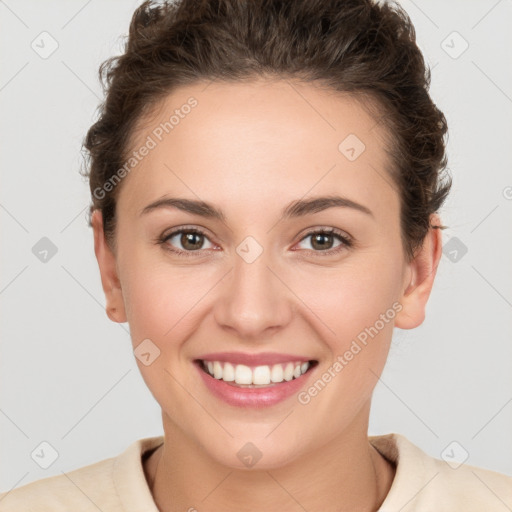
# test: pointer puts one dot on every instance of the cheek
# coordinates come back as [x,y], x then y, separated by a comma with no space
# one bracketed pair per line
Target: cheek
[354,298]
[160,307]
[161,301]
[358,304]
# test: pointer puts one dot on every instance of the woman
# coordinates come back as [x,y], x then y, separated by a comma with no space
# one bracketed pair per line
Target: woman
[266,178]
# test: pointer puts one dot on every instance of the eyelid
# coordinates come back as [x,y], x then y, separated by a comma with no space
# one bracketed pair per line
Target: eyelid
[185,227]
[325,229]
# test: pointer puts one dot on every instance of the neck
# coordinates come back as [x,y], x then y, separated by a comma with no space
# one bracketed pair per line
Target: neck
[345,474]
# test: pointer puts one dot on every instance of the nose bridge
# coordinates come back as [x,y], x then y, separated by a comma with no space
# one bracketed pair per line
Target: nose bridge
[253,299]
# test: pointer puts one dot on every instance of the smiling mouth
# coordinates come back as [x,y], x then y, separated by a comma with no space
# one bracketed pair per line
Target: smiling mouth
[241,375]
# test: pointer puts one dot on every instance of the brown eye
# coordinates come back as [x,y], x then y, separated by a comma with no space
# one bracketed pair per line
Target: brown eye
[186,241]
[329,241]
[322,241]
[191,241]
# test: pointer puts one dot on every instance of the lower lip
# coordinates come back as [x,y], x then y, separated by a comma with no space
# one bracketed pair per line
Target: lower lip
[253,397]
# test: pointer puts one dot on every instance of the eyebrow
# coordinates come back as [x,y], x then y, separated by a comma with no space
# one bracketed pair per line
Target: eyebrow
[298,208]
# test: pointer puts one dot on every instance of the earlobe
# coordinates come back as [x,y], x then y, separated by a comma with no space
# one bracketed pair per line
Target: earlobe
[108,271]
[421,273]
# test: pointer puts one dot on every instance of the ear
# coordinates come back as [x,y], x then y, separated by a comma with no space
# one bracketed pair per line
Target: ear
[420,276]
[108,270]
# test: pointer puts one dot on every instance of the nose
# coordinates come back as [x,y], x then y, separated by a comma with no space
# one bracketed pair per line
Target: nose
[254,301]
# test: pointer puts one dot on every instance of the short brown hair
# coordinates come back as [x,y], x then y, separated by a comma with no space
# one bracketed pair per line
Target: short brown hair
[360,47]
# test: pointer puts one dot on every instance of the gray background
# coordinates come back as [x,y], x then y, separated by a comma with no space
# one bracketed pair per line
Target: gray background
[68,375]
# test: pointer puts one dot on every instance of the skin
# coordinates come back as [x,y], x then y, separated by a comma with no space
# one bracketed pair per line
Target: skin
[251,149]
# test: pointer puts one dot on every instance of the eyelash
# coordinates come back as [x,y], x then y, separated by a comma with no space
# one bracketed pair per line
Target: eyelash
[346,241]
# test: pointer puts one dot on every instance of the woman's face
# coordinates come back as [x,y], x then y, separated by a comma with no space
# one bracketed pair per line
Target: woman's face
[259,281]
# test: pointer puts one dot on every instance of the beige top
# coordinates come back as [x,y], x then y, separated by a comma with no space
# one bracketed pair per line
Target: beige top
[117,484]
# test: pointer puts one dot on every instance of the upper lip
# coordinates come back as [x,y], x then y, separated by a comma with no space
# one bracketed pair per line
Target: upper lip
[263,358]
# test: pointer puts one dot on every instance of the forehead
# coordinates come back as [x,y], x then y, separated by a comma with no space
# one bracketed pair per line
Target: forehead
[258,141]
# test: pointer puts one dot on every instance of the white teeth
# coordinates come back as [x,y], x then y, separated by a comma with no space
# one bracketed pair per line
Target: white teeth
[276,375]
[228,374]
[217,370]
[243,374]
[259,376]
[288,372]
